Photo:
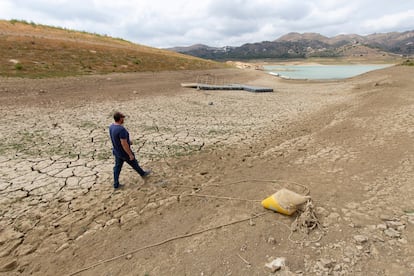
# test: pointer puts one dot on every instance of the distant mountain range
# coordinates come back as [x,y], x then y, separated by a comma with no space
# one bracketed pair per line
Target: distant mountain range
[296,45]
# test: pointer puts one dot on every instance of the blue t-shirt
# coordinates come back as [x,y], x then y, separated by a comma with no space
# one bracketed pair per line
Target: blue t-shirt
[118,132]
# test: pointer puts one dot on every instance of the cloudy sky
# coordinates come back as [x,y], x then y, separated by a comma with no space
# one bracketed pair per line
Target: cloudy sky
[168,23]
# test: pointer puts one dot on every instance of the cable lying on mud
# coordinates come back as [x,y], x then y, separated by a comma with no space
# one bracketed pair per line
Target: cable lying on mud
[305,222]
[166,241]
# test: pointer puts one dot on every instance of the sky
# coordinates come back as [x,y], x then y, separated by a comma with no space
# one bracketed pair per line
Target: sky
[170,23]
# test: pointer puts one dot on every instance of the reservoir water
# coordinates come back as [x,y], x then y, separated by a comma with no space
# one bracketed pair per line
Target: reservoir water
[322,72]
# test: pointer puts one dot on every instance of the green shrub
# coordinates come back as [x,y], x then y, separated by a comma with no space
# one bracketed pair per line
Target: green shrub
[137,61]
[408,63]
[18,66]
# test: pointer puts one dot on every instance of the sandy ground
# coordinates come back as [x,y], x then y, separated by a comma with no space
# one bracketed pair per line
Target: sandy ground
[215,155]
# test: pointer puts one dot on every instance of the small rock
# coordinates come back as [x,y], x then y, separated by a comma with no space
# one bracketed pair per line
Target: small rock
[378,238]
[382,226]
[271,240]
[151,206]
[403,241]
[360,239]
[385,217]
[111,222]
[129,257]
[252,223]
[396,225]
[337,267]
[392,233]
[326,263]
[276,264]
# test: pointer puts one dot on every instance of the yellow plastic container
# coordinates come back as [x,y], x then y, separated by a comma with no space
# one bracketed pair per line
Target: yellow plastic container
[284,201]
[272,204]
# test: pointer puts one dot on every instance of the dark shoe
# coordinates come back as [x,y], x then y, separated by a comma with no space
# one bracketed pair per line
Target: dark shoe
[146,173]
[118,187]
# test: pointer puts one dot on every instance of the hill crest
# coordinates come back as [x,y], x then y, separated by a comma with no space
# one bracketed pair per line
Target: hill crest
[304,36]
[31,50]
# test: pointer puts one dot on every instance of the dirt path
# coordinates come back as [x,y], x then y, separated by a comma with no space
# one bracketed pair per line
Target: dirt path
[348,142]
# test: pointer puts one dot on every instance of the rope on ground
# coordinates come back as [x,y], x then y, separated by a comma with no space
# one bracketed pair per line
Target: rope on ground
[166,241]
[306,190]
[305,222]
[213,196]
[196,189]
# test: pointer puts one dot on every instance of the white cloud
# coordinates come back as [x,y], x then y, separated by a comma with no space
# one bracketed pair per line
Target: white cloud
[161,23]
[391,21]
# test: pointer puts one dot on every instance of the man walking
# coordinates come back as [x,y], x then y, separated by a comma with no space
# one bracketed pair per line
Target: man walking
[121,149]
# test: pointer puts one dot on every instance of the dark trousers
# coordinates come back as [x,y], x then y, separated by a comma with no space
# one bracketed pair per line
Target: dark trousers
[118,167]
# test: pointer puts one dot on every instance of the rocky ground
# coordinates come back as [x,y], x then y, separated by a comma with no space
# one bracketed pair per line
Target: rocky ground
[215,155]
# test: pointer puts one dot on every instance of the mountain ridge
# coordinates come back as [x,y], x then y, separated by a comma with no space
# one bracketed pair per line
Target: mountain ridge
[305,45]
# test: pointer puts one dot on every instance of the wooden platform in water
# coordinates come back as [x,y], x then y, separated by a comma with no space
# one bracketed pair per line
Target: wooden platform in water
[249,88]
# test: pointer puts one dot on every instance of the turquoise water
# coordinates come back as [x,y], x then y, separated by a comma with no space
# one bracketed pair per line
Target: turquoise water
[322,72]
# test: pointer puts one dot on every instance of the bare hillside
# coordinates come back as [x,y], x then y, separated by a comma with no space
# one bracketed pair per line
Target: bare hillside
[30,50]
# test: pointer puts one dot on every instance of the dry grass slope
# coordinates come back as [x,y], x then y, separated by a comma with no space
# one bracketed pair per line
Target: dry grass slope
[30,50]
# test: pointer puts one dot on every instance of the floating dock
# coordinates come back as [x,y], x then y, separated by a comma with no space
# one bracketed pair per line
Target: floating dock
[201,86]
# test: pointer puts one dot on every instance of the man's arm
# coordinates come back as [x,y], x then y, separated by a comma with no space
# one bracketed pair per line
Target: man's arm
[127,149]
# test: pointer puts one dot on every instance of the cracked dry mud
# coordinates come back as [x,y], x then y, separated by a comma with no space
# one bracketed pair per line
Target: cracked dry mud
[349,142]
